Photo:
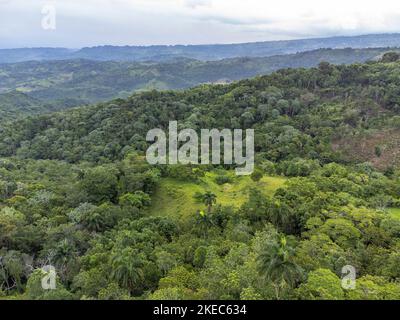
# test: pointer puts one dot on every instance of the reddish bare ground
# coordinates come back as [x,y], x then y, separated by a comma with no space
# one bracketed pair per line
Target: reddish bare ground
[362,148]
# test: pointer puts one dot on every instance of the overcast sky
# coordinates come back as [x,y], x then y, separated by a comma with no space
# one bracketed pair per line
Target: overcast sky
[143,22]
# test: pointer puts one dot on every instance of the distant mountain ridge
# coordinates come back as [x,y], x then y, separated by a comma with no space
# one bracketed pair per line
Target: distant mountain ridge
[160,53]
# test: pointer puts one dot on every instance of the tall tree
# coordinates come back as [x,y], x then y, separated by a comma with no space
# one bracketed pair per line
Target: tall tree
[209,200]
[276,264]
[127,268]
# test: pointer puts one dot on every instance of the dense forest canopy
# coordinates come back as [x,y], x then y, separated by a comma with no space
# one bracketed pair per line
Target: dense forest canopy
[295,113]
[77,193]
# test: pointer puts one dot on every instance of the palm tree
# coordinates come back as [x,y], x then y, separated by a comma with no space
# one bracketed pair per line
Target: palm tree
[11,270]
[276,264]
[127,268]
[63,253]
[61,256]
[283,218]
[209,199]
[93,221]
[204,222]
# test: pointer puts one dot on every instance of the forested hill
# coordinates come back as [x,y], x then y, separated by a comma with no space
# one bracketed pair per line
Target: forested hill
[199,52]
[15,104]
[297,113]
[76,82]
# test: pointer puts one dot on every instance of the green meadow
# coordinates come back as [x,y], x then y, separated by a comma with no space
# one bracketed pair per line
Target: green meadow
[175,198]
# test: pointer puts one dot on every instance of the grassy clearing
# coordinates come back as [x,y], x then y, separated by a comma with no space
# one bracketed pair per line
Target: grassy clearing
[394,212]
[174,198]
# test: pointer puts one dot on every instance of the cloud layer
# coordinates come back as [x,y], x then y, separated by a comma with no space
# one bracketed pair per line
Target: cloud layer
[143,22]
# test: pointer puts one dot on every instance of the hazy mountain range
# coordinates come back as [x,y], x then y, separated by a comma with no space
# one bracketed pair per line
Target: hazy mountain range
[199,52]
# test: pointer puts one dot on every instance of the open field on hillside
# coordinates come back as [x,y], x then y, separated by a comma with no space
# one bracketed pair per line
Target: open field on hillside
[394,212]
[174,198]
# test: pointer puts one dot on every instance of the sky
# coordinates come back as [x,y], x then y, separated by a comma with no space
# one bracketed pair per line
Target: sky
[82,23]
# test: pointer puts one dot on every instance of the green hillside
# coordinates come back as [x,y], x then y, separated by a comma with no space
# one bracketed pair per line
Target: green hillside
[297,113]
[175,198]
[77,193]
[15,104]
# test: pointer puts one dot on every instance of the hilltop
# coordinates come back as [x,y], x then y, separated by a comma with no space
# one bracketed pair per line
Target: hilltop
[298,113]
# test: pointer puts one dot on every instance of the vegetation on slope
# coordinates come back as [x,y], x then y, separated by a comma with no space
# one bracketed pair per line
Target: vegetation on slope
[296,113]
[177,199]
[76,193]
[14,105]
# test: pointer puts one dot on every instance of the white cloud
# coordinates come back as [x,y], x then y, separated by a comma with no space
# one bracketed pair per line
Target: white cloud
[92,22]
